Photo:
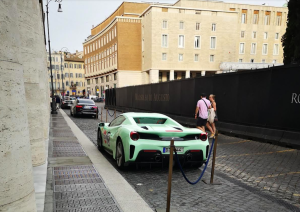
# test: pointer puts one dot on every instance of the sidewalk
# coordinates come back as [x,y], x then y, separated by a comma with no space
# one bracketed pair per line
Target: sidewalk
[79,178]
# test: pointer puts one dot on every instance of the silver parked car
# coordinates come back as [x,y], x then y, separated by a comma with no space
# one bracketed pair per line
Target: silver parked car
[68,102]
[84,107]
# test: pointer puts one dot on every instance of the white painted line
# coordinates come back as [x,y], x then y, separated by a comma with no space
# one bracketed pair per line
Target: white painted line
[128,199]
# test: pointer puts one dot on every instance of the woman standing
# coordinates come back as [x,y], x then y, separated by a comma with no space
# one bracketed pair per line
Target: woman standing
[211,125]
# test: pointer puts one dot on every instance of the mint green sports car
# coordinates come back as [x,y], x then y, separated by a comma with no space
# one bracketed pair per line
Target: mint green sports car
[145,138]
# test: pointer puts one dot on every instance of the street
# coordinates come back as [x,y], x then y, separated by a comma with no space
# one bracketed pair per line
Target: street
[255,176]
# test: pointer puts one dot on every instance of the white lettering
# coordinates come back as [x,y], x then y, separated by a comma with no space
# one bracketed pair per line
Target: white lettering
[294,96]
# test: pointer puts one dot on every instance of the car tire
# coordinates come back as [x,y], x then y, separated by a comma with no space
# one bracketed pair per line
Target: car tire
[99,141]
[120,156]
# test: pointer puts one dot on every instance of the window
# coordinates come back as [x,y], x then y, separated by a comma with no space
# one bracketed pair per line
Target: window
[71,75]
[164,56]
[58,76]
[70,65]
[88,82]
[276,49]
[115,76]
[66,75]
[66,65]
[58,85]
[80,76]
[240,60]
[168,76]
[278,18]
[243,18]
[175,75]
[180,57]
[56,59]
[196,58]
[165,25]
[213,27]
[164,41]
[57,67]
[213,41]
[242,48]
[160,77]
[255,17]
[265,35]
[252,61]
[263,61]
[181,25]
[197,42]
[265,49]
[276,36]
[183,75]
[75,65]
[212,58]
[181,41]
[79,66]
[77,84]
[253,48]
[267,18]
[242,34]
[107,78]
[67,83]
[253,34]
[102,79]
[197,26]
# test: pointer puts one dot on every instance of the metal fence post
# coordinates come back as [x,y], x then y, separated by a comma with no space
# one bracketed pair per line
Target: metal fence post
[101,113]
[106,115]
[170,175]
[214,158]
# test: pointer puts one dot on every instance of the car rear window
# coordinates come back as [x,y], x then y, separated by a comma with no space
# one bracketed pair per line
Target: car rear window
[86,101]
[149,120]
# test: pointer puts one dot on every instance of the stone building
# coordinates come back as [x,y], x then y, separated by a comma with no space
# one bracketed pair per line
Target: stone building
[24,102]
[74,74]
[187,39]
[57,60]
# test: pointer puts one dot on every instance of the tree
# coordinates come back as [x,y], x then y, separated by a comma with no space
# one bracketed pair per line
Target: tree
[291,38]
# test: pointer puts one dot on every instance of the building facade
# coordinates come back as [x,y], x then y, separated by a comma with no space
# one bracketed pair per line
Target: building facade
[161,42]
[68,73]
[74,81]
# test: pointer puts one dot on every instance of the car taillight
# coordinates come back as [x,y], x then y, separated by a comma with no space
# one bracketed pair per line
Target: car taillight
[134,136]
[95,107]
[78,106]
[203,136]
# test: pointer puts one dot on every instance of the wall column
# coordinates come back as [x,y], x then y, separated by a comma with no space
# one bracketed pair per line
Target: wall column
[187,74]
[16,180]
[154,75]
[203,73]
[33,59]
[171,75]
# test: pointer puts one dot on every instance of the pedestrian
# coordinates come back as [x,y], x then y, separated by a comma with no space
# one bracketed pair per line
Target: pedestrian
[211,124]
[202,107]
[57,102]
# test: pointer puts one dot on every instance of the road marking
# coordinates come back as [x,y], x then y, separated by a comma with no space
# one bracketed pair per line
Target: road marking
[238,142]
[297,195]
[260,153]
[276,175]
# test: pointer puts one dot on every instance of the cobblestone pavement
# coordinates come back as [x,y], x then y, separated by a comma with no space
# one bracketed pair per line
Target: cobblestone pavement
[255,177]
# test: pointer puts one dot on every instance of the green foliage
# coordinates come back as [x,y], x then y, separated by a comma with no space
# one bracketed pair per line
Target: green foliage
[291,39]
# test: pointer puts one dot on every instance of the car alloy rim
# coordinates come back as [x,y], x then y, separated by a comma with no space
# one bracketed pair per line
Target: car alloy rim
[120,154]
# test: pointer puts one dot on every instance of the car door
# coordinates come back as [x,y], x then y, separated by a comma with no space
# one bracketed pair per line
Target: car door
[110,132]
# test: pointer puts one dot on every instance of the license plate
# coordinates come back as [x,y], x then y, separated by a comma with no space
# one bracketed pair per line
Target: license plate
[87,107]
[69,104]
[178,149]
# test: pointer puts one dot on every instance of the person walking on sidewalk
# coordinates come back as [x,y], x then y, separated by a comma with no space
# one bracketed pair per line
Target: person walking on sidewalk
[57,102]
[202,107]
[211,123]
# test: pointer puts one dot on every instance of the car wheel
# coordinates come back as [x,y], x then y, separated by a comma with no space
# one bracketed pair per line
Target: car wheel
[120,156]
[99,141]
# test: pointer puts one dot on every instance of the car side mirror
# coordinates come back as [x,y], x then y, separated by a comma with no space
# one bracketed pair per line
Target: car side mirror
[101,125]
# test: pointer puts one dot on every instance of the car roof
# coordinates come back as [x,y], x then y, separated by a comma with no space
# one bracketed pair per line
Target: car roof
[153,115]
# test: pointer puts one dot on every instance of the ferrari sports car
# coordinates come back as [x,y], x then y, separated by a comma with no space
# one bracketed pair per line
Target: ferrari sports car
[145,138]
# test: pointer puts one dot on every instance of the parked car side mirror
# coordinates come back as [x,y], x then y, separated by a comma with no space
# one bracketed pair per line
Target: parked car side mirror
[101,124]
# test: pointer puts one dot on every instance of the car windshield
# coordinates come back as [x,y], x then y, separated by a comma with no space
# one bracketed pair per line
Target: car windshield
[86,101]
[149,120]
[72,98]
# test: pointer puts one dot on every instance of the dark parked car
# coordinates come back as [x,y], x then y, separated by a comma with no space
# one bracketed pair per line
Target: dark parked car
[98,99]
[84,107]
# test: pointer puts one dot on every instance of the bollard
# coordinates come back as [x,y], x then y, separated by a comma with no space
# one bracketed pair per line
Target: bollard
[170,175]
[101,113]
[115,113]
[213,163]
[106,115]
[214,158]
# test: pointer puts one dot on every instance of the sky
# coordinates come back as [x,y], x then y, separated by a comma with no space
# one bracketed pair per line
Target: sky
[70,27]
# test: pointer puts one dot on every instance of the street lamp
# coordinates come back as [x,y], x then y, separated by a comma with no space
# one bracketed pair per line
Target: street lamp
[53,108]
[61,68]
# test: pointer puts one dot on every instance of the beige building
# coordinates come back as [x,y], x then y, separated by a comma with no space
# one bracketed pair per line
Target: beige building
[193,38]
[74,81]
[161,42]
[57,59]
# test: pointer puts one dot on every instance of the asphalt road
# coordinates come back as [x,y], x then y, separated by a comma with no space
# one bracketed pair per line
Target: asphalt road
[255,176]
